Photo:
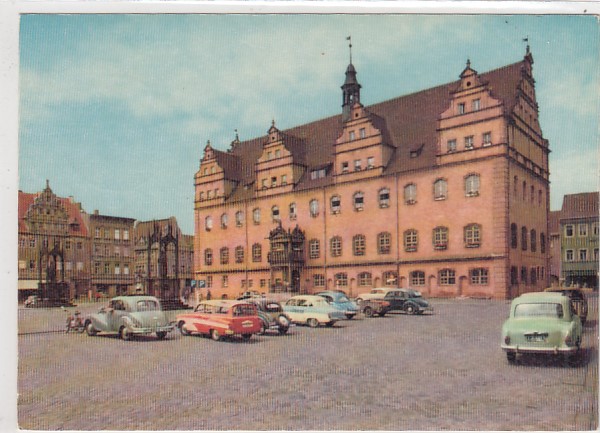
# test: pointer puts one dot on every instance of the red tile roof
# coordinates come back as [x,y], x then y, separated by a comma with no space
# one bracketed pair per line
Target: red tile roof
[409,122]
[582,205]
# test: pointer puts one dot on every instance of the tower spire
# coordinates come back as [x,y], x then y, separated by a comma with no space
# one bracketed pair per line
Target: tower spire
[349,38]
[350,88]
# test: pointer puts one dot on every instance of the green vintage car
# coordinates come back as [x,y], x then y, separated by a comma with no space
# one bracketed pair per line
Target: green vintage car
[541,323]
[128,316]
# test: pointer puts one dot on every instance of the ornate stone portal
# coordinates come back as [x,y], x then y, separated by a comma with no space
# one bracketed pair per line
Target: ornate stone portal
[286,258]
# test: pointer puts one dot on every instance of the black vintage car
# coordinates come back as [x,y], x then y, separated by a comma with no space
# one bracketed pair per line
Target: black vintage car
[406,300]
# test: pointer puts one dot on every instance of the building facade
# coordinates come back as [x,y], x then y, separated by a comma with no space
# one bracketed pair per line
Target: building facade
[54,249]
[112,255]
[444,190]
[163,261]
[579,240]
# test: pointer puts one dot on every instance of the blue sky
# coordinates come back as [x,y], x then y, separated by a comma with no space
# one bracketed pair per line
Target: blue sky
[115,110]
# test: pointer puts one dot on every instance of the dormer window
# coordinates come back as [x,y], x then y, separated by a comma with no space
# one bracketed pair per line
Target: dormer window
[269,156]
[461,108]
[362,133]
[352,136]
[277,153]
[476,105]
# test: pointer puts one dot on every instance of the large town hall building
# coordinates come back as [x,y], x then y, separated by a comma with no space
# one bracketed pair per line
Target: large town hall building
[445,190]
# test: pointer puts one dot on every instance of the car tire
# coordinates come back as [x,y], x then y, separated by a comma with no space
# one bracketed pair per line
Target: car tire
[330,324]
[90,330]
[382,314]
[511,357]
[182,328]
[124,334]
[368,312]
[350,316]
[161,335]
[214,334]
[410,309]
[246,337]
[263,328]
[313,323]
[283,330]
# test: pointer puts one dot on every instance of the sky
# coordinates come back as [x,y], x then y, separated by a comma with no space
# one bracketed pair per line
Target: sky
[115,110]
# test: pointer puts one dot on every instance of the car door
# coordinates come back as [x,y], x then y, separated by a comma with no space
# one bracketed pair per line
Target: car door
[115,314]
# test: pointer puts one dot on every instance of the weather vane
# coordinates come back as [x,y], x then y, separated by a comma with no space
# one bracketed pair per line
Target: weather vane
[349,38]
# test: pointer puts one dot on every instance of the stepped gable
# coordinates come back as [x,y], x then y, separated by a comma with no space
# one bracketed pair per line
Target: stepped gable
[408,123]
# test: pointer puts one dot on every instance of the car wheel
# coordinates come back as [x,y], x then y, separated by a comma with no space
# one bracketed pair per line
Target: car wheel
[89,328]
[161,335]
[350,316]
[263,328]
[382,314]
[511,357]
[368,312]
[214,334]
[410,309]
[330,324]
[313,323]
[283,330]
[246,337]
[182,328]
[124,334]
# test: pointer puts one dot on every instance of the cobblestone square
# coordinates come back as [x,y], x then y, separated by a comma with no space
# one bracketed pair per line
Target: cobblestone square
[440,372]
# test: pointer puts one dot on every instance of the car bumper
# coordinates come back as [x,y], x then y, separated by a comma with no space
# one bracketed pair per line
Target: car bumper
[150,330]
[547,350]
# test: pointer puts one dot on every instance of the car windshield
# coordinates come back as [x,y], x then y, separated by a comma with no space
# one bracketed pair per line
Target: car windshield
[272,307]
[147,305]
[343,298]
[244,310]
[414,294]
[539,310]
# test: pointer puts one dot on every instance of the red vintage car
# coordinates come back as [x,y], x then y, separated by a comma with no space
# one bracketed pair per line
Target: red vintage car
[221,318]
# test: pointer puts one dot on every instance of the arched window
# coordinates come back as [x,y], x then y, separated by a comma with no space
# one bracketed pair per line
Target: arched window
[390,278]
[472,236]
[335,245]
[359,245]
[314,208]
[275,213]
[239,254]
[224,253]
[365,279]
[410,193]
[417,278]
[384,198]
[411,240]
[440,238]
[524,238]
[239,219]
[224,221]
[208,223]
[314,249]
[256,253]
[336,204]
[341,280]
[447,277]
[208,257]
[513,235]
[472,185]
[256,216]
[440,189]
[359,201]
[293,211]
[543,243]
[533,238]
[384,241]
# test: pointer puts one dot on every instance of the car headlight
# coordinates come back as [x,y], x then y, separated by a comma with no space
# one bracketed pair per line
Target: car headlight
[507,339]
[568,339]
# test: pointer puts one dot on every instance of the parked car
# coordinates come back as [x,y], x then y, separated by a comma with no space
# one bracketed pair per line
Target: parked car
[312,310]
[374,307]
[339,300]
[128,316]
[578,300]
[541,323]
[221,318]
[271,315]
[407,300]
